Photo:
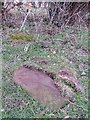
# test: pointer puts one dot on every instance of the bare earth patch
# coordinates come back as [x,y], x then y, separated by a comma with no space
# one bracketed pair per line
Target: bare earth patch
[40,86]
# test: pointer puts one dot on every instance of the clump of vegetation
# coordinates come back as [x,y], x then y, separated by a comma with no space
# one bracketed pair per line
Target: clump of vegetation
[22,36]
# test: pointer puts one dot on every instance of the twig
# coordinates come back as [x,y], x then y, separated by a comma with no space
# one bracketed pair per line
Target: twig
[26,47]
[74,13]
[5,1]
[82,20]
[24,20]
[52,17]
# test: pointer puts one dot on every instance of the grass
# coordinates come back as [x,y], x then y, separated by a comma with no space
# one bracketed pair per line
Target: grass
[17,103]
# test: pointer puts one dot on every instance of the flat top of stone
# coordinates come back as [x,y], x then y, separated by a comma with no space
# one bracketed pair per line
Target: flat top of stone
[40,86]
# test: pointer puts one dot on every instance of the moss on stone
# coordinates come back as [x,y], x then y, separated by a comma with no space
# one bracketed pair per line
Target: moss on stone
[22,36]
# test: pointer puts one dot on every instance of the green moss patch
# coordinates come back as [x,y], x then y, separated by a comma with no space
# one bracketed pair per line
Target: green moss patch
[22,36]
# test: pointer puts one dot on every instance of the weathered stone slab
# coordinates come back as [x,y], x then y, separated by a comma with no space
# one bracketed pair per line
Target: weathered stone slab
[40,86]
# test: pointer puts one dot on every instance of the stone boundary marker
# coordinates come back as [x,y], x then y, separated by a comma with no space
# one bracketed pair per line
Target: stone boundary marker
[40,86]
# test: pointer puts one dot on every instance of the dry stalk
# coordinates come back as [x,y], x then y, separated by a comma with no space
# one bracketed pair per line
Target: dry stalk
[81,19]
[74,13]
[52,17]
[24,20]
